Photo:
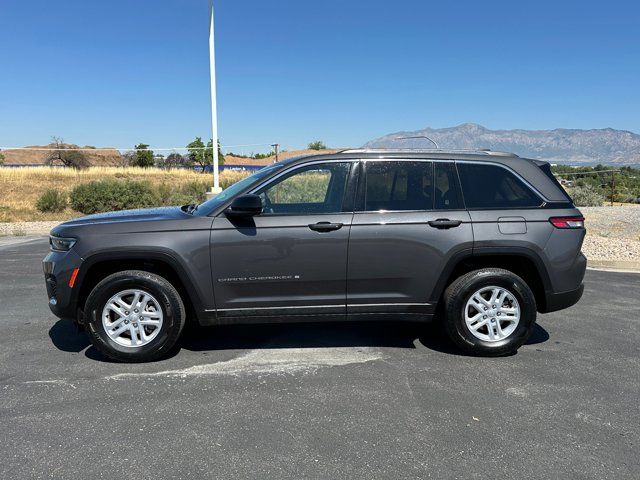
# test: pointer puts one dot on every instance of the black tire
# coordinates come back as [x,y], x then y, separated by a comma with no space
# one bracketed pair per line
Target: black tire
[167,296]
[460,291]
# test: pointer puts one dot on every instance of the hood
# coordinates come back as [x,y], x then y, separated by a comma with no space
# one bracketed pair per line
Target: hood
[123,218]
[143,214]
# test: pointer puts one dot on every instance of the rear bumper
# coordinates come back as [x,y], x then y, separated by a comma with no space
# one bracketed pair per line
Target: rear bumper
[559,301]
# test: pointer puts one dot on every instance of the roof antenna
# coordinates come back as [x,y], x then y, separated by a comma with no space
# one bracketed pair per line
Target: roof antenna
[419,136]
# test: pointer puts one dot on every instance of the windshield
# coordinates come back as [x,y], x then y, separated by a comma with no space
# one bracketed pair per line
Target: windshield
[230,192]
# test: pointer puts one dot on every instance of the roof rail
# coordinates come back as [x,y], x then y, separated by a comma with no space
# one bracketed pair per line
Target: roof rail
[476,151]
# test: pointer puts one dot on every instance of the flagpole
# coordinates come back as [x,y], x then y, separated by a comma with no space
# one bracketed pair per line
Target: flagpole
[214,112]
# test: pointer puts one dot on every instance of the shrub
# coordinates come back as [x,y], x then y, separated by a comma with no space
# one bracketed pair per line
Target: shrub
[194,192]
[190,192]
[229,177]
[317,145]
[586,196]
[52,201]
[108,195]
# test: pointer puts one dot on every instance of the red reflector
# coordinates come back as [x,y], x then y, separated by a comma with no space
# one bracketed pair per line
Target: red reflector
[567,222]
[74,274]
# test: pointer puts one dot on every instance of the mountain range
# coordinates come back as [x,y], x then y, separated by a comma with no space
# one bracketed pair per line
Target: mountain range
[566,146]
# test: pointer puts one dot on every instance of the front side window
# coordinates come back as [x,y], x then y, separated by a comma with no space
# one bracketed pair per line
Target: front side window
[396,186]
[490,186]
[318,188]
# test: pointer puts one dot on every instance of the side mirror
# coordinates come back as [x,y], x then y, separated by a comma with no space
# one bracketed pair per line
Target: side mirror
[245,206]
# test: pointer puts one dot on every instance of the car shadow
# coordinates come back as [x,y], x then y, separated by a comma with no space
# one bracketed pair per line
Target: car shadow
[434,338]
[67,337]
[393,334]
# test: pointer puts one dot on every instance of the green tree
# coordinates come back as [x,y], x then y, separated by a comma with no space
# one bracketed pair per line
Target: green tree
[197,155]
[202,155]
[317,145]
[1,159]
[143,157]
[209,153]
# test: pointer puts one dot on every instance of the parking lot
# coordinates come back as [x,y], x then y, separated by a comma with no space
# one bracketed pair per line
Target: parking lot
[377,400]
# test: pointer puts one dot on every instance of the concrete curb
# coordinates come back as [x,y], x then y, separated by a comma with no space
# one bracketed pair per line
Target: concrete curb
[614,265]
[8,241]
[20,229]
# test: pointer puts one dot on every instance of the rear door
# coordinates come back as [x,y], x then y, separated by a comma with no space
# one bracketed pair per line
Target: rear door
[409,222]
[291,259]
[504,209]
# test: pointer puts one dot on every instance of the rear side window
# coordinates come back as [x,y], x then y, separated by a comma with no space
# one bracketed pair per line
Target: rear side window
[398,186]
[447,191]
[546,168]
[489,186]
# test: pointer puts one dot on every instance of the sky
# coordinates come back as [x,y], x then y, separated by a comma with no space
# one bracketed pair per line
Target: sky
[117,73]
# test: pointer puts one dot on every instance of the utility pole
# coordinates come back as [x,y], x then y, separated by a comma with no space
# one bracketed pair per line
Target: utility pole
[613,186]
[214,111]
[275,147]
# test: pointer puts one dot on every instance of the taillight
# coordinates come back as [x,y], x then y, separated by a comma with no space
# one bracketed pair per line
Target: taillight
[567,222]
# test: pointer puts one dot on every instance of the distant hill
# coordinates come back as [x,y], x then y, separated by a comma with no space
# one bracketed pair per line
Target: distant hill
[37,154]
[573,146]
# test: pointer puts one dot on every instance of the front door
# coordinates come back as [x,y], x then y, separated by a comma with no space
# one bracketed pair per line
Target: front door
[409,224]
[291,259]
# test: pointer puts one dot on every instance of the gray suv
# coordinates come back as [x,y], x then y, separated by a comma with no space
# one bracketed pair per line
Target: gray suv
[479,240]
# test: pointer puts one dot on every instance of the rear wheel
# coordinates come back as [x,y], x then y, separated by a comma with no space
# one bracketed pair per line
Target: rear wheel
[489,312]
[134,316]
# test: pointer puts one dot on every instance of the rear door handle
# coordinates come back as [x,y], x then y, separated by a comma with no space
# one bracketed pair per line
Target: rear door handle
[325,226]
[444,223]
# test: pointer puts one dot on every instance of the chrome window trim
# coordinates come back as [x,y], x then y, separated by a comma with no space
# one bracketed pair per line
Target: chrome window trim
[299,166]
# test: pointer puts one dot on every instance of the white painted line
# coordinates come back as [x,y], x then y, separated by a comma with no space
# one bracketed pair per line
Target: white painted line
[269,361]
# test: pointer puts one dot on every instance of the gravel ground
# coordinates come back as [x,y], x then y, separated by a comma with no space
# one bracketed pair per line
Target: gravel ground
[617,222]
[26,228]
[613,233]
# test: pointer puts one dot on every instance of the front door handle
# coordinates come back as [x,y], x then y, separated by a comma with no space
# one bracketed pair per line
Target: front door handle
[444,223]
[325,226]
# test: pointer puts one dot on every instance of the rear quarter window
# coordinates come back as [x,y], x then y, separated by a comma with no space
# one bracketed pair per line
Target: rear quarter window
[490,186]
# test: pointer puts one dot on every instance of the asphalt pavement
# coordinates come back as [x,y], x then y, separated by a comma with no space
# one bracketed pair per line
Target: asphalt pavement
[384,400]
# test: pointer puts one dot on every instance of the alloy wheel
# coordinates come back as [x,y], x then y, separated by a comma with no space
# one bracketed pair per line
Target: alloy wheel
[492,314]
[132,318]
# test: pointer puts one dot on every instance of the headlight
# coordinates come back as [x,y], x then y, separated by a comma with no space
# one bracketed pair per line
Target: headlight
[60,244]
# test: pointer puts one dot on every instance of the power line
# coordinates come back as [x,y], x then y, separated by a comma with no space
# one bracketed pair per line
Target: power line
[586,173]
[163,149]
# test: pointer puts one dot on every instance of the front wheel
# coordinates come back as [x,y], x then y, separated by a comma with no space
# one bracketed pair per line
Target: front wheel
[134,316]
[489,312]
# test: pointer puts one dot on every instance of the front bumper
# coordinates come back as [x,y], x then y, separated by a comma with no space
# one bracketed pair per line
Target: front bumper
[58,268]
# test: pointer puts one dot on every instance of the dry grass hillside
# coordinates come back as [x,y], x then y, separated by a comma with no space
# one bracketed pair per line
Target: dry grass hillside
[106,157]
[21,187]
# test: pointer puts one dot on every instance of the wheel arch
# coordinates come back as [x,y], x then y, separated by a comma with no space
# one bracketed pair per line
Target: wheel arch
[100,265]
[521,261]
